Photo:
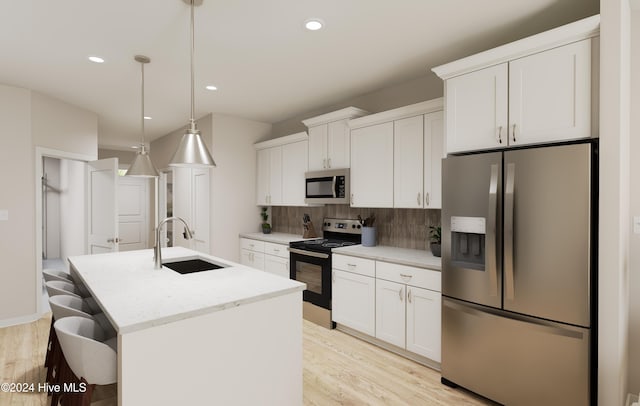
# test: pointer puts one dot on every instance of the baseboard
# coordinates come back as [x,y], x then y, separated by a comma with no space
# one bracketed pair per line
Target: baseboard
[390,347]
[20,320]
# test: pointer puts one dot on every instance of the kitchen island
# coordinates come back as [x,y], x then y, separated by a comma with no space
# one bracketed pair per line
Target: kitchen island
[226,336]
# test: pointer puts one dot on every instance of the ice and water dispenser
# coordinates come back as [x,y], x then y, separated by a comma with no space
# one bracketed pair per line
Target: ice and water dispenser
[468,242]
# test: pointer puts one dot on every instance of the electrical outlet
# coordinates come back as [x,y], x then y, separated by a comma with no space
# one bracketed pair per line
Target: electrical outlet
[636,224]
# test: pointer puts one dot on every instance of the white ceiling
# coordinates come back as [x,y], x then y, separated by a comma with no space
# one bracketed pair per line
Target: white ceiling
[266,65]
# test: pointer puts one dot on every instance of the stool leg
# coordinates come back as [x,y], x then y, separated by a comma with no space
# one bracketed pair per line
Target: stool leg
[84,398]
[54,355]
[52,334]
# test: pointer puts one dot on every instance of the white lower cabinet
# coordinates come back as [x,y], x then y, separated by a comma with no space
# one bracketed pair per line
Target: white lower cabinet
[423,322]
[397,304]
[252,253]
[390,312]
[353,301]
[407,315]
[265,256]
[276,259]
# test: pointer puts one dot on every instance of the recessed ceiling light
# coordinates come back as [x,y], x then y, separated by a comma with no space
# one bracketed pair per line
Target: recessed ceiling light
[147,118]
[211,87]
[313,24]
[96,59]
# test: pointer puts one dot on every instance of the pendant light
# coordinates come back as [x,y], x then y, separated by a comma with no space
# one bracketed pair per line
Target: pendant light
[192,152]
[142,165]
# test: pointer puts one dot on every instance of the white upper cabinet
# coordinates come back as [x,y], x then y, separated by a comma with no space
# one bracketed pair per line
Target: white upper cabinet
[433,154]
[318,147]
[476,106]
[550,95]
[536,90]
[408,161]
[329,139]
[269,177]
[294,165]
[281,164]
[396,157]
[372,166]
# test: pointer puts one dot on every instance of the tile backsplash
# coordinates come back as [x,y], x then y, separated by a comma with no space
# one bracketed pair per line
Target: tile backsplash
[404,228]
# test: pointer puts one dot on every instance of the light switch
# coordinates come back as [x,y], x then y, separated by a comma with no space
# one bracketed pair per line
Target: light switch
[636,224]
[4,215]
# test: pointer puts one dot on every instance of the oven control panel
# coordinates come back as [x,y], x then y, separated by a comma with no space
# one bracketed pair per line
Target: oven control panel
[342,226]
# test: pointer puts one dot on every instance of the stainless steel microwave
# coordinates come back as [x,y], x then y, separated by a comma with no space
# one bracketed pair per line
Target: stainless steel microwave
[327,187]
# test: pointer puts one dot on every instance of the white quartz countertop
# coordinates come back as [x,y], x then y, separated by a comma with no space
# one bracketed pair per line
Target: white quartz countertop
[404,256]
[135,296]
[278,238]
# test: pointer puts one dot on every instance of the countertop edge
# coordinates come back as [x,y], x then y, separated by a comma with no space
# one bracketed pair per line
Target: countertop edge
[205,310]
[353,251]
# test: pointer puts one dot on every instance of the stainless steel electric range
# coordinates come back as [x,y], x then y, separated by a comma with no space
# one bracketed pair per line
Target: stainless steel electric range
[310,262]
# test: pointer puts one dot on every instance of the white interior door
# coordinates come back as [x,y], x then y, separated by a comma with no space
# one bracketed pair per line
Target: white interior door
[102,194]
[133,213]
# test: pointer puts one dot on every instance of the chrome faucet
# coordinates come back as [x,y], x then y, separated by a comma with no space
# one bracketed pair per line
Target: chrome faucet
[157,253]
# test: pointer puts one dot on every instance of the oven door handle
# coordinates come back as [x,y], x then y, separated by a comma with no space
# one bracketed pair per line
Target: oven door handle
[308,253]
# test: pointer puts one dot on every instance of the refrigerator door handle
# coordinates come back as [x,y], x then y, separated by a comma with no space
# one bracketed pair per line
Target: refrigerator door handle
[508,231]
[490,260]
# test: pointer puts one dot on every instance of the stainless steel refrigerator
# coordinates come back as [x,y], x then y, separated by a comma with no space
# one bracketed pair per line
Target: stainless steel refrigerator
[519,274]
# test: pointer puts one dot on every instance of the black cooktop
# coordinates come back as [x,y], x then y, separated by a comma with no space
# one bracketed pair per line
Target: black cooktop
[336,233]
[321,244]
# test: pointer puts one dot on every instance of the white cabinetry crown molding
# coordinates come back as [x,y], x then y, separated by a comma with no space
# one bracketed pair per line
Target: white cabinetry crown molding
[411,110]
[346,113]
[576,31]
[287,139]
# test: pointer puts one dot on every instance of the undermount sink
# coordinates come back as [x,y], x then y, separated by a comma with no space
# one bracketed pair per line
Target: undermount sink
[192,265]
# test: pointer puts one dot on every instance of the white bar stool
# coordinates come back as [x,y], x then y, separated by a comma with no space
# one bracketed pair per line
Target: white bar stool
[56,275]
[61,288]
[91,359]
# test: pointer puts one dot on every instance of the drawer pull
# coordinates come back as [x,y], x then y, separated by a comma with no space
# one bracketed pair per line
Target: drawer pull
[352,265]
[406,276]
[276,250]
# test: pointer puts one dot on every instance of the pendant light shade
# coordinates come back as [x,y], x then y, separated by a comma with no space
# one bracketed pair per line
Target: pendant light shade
[192,151]
[142,165]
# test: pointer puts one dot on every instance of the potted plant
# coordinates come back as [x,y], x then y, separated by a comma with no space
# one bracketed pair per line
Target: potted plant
[436,239]
[266,227]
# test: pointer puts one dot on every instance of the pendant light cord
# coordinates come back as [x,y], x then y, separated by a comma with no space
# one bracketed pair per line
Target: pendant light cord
[142,106]
[192,69]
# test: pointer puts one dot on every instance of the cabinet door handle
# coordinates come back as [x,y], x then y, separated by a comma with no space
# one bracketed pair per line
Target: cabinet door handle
[426,198]
[419,200]
[409,295]
[329,162]
[352,199]
[499,134]
[400,294]
[324,163]
[333,276]
[513,133]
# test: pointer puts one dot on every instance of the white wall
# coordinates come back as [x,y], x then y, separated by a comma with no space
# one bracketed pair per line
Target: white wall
[634,240]
[27,120]
[233,197]
[17,174]
[614,203]
[72,209]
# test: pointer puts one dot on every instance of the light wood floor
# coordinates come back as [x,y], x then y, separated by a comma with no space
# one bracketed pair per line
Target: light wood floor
[338,370]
